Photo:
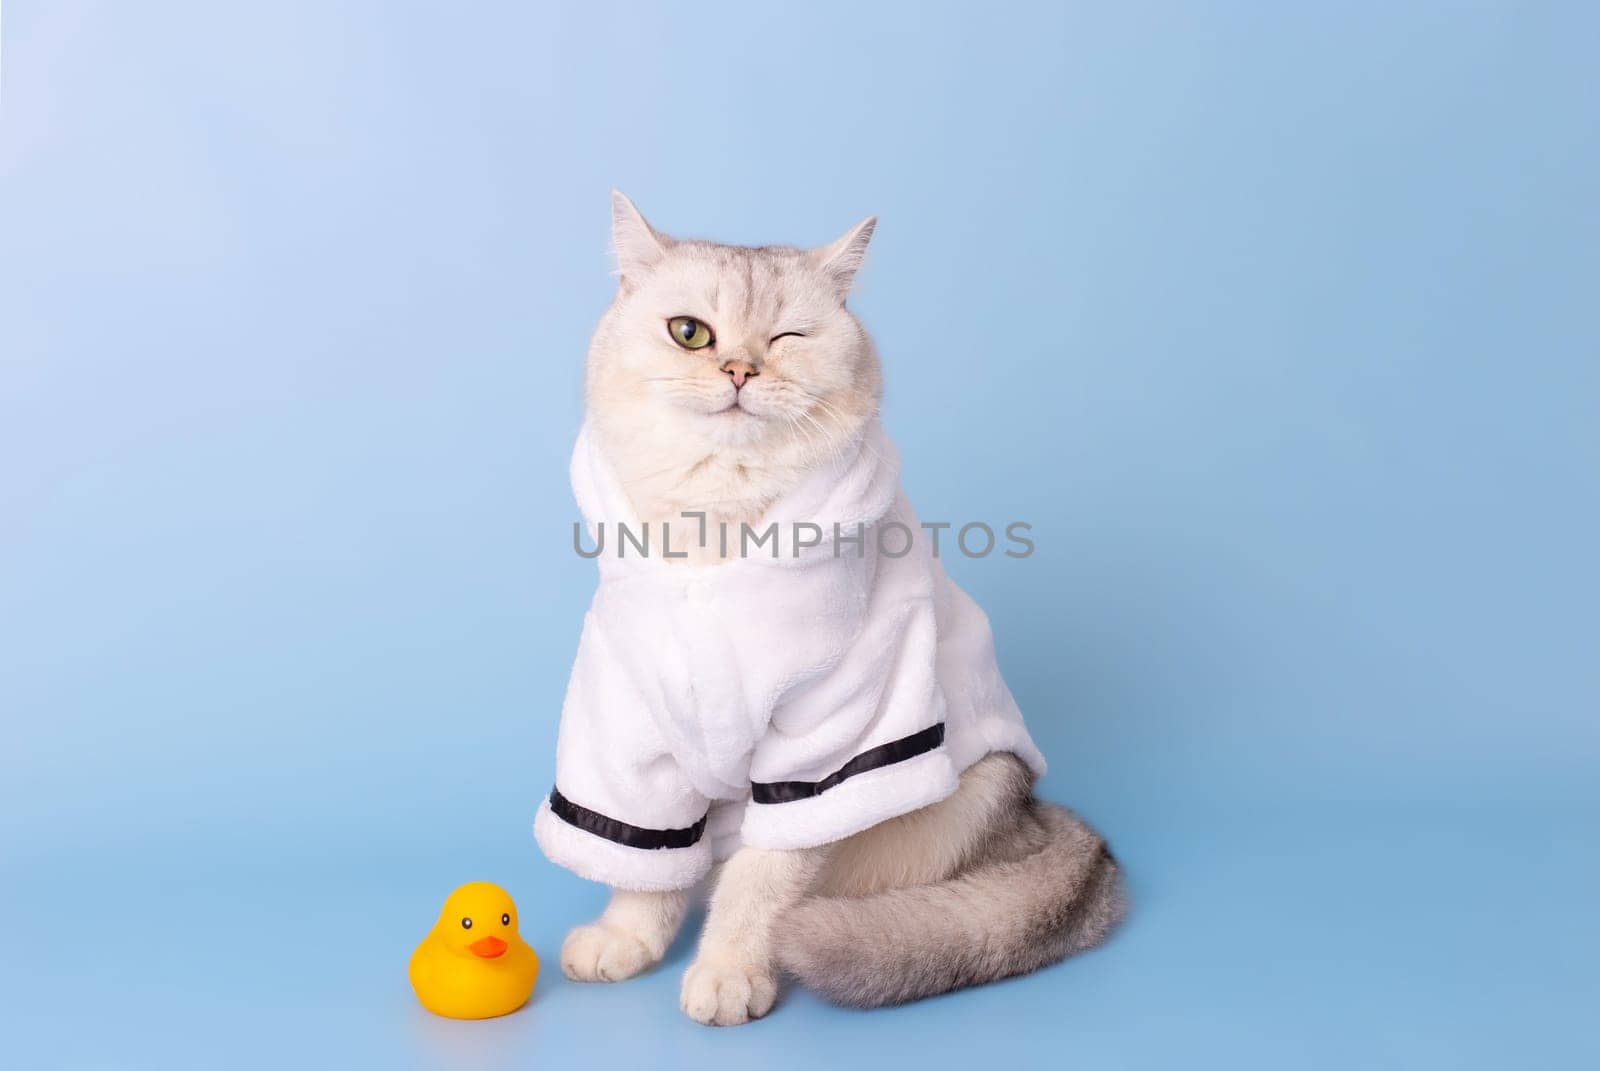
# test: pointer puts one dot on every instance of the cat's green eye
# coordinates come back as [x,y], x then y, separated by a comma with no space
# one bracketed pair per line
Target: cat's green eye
[689,333]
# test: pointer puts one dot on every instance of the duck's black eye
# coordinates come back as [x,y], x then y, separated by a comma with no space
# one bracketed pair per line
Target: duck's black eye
[505,920]
[466,924]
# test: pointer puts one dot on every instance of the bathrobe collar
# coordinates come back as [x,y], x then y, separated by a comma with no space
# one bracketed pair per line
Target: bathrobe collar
[856,487]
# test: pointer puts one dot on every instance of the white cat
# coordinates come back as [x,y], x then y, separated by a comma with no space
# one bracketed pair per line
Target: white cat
[826,716]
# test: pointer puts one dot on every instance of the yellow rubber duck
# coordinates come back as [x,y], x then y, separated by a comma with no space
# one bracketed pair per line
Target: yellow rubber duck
[473,964]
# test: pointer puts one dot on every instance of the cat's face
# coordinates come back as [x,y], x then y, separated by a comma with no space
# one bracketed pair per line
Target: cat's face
[724,348]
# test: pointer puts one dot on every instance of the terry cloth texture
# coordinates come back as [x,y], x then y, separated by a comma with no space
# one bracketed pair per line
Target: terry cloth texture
[786,699]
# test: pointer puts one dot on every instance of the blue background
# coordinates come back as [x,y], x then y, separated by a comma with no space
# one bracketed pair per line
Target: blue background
[1278,323]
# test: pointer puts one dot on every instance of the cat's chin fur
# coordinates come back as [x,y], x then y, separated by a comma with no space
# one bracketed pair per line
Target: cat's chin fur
[731,464]
[985,884]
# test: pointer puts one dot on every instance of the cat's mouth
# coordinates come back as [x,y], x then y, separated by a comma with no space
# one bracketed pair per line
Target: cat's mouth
[733,409]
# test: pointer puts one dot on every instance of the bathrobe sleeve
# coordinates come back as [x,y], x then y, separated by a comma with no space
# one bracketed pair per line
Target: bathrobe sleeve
[621,811]
[864,742]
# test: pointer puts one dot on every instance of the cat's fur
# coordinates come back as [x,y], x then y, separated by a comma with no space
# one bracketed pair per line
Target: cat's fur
[985,884]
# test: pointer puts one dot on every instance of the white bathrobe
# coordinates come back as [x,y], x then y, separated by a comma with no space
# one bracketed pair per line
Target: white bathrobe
[782,701]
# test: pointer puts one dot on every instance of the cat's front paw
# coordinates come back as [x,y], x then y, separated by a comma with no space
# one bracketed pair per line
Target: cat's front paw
[726,993]
[602,953]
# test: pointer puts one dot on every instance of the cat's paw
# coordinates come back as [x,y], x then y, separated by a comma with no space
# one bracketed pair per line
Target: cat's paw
[726,993]
[602,953]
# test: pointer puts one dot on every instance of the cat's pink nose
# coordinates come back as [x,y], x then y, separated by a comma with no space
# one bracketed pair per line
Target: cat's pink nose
[740,371]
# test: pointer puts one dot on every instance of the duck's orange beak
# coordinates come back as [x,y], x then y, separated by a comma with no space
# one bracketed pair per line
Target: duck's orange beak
[487,947]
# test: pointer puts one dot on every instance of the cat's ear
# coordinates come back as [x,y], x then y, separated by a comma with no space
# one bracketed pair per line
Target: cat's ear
[842,258]
[636,243]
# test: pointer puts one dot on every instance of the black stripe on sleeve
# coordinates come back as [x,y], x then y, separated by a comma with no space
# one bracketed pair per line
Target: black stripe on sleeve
[621,832]
[907,747]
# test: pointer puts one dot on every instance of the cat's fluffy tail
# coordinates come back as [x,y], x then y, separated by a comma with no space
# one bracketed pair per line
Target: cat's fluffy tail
[990,922]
